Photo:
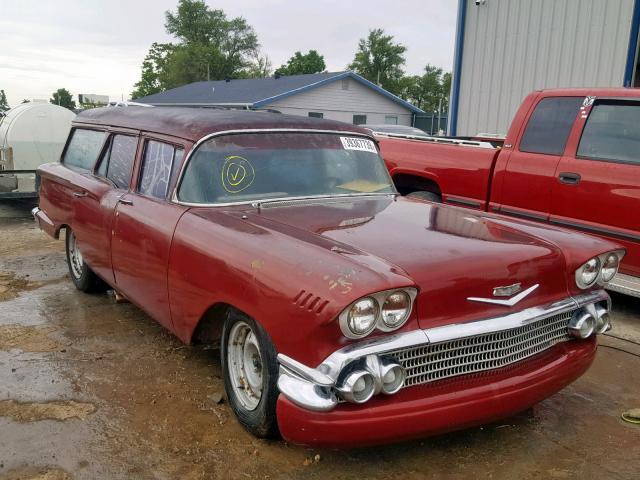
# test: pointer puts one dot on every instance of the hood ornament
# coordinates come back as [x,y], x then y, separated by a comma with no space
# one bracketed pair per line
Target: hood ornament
[506,291]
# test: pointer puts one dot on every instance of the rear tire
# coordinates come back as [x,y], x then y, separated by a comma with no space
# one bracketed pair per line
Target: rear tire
[428,196]
[81,274]
[250,369]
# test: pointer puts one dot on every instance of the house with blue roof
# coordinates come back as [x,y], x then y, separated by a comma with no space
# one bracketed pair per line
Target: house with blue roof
[344,96]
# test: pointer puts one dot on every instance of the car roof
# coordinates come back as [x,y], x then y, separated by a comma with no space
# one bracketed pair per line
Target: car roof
[193,123]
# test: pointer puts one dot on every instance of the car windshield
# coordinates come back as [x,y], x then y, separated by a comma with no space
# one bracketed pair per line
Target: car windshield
[262,166]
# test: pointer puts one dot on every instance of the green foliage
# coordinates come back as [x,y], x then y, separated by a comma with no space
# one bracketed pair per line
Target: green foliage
[429,90]
[4,105]
[299,64]
[380,60]
[63,97]
[210,46]
[260,67]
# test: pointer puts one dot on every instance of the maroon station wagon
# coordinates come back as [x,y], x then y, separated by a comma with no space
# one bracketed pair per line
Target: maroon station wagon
[346,315]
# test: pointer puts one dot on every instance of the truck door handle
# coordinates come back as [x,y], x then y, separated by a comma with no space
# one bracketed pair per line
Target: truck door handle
[80,194]
[125,201]
[569,178]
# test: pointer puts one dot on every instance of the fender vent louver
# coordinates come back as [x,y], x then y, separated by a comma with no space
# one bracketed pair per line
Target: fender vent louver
[309,301]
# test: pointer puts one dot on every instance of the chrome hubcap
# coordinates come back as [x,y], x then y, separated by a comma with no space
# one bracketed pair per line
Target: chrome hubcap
[244,363]
[75,256]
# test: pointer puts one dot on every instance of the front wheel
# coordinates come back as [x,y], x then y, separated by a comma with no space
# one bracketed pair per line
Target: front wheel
[250,374]
[82,276]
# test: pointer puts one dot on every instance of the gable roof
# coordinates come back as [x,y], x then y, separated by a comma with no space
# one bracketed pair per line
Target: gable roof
[258,92]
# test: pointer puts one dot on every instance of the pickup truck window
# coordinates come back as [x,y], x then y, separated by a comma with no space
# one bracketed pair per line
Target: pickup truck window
[550,124]
[612,133]
[83,148]
[159,166]
[246,167]
[117,161]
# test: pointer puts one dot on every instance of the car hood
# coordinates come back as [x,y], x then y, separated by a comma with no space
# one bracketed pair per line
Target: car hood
[449,253]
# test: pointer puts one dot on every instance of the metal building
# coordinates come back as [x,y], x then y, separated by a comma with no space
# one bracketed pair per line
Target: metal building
[507,48]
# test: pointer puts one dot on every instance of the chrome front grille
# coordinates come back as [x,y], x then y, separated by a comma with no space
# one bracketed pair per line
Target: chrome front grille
[436,361]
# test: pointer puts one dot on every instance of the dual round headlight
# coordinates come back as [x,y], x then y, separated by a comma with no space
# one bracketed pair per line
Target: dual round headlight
[599,269]
[387,311]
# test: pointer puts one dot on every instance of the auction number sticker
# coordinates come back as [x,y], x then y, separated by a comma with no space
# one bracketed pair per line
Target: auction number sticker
[362,144]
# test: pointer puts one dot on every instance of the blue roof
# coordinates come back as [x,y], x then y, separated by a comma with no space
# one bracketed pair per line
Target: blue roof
[257,92]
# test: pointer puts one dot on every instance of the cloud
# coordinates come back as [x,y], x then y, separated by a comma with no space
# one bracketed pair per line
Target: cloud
[98,47]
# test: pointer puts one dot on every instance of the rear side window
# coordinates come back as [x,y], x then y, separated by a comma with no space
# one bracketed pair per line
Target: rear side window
[612,133]
[83,148]
[117,162]
[159,167]
[550,124]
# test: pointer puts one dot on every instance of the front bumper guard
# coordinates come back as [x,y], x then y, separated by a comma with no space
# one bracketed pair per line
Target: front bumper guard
[315,388]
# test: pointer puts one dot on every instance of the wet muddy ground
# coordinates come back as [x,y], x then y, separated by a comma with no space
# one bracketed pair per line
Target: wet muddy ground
[93,389]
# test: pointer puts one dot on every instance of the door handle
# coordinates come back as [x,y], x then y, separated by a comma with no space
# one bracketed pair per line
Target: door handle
[569,178]
[125,201]
[80,194]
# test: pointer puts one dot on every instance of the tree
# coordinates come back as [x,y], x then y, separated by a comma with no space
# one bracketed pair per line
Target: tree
[209,46]
[63,97]
[428,91]
[311,62]
[4,105]
[380,60]
[152,65]
[259,68]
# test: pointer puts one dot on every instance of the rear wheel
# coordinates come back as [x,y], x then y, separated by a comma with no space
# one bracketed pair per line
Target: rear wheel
[250,374]
[82,276]
[428,196]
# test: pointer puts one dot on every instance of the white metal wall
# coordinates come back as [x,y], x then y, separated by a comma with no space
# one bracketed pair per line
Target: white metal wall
[335,103]
[512,47]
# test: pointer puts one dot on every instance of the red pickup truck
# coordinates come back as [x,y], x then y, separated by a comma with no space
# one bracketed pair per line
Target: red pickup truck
[571,158]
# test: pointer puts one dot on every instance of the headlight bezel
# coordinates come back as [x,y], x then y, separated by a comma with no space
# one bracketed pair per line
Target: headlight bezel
[379,298]
[599,279]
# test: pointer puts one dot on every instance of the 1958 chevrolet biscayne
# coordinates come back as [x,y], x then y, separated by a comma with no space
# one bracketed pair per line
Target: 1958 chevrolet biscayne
[346,315]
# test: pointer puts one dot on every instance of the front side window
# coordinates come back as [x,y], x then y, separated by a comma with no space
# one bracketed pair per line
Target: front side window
[117,162]
[83,148]
[550,124]
[612,133]
[159,166]
[259,166]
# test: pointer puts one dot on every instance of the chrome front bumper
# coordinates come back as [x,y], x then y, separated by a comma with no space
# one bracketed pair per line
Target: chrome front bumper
[626,284]
[316,389]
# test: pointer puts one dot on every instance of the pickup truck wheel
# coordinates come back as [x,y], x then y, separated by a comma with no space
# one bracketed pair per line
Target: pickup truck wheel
[428,196]
[82,276]
[250,374]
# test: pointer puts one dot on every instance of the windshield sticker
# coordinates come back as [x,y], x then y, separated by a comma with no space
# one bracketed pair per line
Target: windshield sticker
[363,186]
[237,174]
[362,144]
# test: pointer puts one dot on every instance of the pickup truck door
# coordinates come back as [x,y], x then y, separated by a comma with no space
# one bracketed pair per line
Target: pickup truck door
[597,188]
[529,175]
[143,230]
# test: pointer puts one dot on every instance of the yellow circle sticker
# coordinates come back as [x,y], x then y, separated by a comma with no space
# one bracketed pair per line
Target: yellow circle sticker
[237,174]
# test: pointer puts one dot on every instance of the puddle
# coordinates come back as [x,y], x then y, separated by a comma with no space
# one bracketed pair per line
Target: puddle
[28,338]
[34,412]
[31,473]
[11,285]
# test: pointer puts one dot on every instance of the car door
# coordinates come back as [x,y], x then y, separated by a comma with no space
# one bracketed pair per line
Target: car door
[143,228]
[96,196]
[530,171]
[598,182]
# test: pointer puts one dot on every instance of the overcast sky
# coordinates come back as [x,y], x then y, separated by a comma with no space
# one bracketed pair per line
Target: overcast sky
[98,46]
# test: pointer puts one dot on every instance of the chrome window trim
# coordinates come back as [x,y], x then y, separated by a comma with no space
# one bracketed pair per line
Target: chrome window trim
[194,148]
[296,375]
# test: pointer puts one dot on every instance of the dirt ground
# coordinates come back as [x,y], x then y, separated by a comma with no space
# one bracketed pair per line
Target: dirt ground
[93,389]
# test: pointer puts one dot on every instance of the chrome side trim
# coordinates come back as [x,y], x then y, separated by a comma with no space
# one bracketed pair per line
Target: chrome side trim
[174,193]
[299,388]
